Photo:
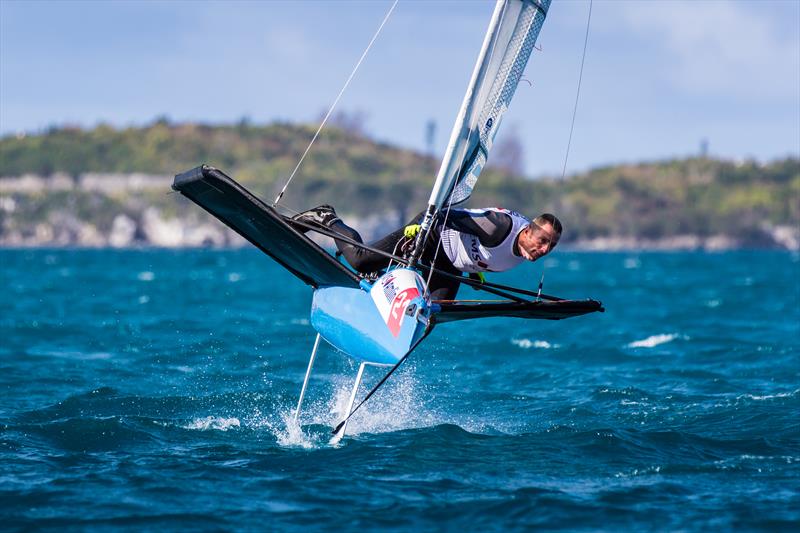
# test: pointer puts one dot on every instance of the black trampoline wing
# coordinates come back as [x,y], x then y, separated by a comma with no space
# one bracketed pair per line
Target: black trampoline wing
[547,310]
[260,224]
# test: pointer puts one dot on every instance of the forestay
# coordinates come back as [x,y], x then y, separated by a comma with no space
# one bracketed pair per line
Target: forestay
[508,44]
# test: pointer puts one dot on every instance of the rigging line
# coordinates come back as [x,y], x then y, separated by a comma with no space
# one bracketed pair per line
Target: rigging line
[438,244]
[336,101]
[578,92]
[571,127]
[394,252]
[322,230]
[480,285]
[477,285]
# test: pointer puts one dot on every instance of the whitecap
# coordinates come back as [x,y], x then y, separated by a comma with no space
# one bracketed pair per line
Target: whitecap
[213,422]
[632,262]
[647,471]
[146,276]
[630,402]
[144,299]
[768,396]
[654,340]
[72,354]
[233,277]
[527,343]
[95,356]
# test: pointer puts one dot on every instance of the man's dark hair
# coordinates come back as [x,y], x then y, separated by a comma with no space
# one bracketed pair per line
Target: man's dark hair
[547,218]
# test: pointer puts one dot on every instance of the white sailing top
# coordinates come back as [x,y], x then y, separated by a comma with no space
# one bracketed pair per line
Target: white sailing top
[474,247]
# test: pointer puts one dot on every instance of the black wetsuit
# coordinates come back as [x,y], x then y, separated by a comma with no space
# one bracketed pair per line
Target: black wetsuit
[490,227]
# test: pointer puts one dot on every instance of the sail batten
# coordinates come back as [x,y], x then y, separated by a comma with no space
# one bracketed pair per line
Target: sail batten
[511,36]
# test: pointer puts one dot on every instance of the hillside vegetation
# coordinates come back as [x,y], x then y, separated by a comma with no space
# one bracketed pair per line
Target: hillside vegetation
[656,200]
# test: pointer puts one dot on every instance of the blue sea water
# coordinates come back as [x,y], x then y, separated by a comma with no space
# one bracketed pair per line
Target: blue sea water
[154,389]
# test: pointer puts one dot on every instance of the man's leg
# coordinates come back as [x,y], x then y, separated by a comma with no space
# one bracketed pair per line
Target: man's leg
[364,261]
[440,288]
[359,258]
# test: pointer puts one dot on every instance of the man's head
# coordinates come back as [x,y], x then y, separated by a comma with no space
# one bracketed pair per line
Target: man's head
[540,237]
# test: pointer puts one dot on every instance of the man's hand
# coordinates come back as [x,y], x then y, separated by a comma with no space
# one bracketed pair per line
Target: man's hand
[411,230]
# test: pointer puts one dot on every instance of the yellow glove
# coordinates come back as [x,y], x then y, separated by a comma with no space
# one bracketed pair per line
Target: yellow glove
[411,230]
[479,276]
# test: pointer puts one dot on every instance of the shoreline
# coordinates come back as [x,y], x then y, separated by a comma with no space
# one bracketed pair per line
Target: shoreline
[138,210]
[572,248]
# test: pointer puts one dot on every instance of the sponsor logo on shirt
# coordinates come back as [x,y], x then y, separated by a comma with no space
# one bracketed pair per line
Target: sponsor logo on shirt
[474,250]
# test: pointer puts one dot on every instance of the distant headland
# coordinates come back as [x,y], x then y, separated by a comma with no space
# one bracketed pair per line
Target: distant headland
[109,187]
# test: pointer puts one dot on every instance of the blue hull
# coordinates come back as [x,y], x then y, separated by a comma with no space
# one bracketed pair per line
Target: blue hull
[359,323]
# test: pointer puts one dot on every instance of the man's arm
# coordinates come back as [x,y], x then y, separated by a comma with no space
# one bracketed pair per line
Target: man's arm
[490,227]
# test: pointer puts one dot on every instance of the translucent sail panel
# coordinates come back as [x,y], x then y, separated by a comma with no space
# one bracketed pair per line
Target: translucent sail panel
[509,41]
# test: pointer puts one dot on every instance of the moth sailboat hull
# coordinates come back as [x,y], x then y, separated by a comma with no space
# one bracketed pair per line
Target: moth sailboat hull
[378,323]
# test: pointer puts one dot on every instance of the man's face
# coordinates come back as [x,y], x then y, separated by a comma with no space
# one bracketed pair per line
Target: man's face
[536,241]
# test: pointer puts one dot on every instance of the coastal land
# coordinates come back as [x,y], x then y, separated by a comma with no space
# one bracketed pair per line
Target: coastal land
[109,187]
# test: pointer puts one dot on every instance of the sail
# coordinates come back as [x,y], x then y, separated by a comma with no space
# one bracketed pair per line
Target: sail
[508,44]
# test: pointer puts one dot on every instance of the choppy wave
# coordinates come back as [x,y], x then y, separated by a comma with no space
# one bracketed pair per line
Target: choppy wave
[673,410]
[763,397]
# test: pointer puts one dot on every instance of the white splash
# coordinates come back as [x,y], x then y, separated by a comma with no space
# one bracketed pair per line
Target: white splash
[654,340]
[401,404]
[146,276]
[527,343]
[291,434]
[395,407]
[213,422]
[233,277]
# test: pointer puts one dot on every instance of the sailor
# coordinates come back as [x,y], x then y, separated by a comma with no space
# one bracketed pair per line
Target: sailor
[470,240]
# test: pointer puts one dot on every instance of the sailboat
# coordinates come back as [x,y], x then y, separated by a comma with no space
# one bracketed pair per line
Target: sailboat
[379,320]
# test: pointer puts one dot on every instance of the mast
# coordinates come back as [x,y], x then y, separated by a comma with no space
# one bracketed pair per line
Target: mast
[509,40]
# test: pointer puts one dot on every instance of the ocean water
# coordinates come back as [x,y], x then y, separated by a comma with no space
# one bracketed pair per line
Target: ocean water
[154,389]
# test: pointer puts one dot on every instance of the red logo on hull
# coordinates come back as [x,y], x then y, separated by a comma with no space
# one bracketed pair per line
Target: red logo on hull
[398,309]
